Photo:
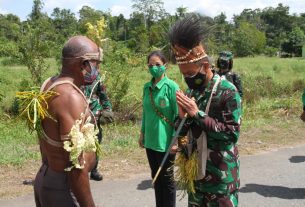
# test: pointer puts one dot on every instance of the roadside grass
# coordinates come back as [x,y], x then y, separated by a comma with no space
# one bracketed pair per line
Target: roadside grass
[120,138]
[16,144]
[270,98]
[272,134]
[271,109]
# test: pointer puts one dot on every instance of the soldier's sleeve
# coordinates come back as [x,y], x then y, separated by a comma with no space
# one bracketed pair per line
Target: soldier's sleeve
[238,84]
[228,128]
[188,122]
[174,100]
[104,99]
[303,99]
[174,104]
[87,91]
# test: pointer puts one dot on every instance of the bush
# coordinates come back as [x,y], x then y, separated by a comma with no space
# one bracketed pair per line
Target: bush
[257,87]
[8,49]
[119,65]
[298,85]
[270,51]
[13,107]
[8,61]
[298,68]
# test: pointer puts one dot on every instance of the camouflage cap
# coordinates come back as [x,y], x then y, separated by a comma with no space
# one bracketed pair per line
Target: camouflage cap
[226,55]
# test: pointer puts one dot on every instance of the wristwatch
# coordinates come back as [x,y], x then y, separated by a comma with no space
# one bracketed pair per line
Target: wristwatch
[200,115]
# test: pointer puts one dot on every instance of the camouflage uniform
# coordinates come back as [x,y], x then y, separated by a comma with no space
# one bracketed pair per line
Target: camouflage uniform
[100,106]
[220,185]
[99,101]
[225,65]
[235,79]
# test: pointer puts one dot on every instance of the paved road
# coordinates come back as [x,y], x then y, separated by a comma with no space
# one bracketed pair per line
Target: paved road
[271,179]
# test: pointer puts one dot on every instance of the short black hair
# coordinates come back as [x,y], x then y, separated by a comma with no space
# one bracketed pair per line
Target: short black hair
[159,54]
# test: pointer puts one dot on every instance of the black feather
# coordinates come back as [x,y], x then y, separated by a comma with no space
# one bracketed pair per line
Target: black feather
[186,32]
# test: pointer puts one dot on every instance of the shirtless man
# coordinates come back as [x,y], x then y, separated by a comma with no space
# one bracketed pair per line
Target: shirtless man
[53,185]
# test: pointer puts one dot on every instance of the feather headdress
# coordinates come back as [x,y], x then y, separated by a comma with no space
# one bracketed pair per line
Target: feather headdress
[185,38]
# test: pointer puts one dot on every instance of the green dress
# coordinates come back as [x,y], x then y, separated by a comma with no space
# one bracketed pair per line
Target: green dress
[157,132]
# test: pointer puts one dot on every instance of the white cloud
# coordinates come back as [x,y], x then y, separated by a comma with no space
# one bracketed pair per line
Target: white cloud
[230,7]
[207,7]
[117,10]
[49,5]
[3,11]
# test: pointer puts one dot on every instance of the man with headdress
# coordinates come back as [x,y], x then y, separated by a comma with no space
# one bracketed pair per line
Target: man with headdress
[63,177]
[212,107]
[225,65]
[100,106]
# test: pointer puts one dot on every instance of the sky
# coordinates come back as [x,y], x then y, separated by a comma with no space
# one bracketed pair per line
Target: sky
[212,8]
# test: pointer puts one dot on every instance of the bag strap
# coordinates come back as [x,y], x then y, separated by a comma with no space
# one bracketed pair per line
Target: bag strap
[159,113]
[212,94]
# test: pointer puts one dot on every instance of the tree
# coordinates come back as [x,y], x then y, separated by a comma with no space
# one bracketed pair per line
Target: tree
[152,10]
[250,16]
[96,32]
[10,27]
[140,39]
[248,40]
[36,10]
[294,42]
[222,32]
[117,27]
[88,14]
[32,50]
[278,24]
[65,23]
[181,12]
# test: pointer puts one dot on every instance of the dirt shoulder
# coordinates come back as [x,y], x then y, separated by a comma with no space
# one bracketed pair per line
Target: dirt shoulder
[117,166]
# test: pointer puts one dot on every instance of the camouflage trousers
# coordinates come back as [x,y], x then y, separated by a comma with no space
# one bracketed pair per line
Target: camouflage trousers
[203,199]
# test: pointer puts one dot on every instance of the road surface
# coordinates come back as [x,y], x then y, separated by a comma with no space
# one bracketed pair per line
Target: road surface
[274,178]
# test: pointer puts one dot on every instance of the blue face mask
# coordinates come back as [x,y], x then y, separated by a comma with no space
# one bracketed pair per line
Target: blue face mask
[157,71]
[91,77]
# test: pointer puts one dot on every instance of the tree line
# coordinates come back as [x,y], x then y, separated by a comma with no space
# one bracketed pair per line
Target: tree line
[270,31]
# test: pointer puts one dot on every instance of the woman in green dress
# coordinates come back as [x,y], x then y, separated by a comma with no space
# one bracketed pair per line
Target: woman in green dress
[159,112]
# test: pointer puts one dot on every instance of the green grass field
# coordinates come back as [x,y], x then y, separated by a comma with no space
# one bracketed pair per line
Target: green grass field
[272,88]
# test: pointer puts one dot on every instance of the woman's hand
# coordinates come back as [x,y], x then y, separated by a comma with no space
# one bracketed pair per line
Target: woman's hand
[140,141]
[174,149]
[186,104]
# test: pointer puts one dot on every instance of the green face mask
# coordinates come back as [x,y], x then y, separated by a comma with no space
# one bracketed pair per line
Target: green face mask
[157,71]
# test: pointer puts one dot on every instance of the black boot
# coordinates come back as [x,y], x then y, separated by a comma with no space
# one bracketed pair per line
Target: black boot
[96,175]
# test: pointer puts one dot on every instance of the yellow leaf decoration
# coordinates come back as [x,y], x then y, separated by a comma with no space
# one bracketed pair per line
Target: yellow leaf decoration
[33,106]
[97,32]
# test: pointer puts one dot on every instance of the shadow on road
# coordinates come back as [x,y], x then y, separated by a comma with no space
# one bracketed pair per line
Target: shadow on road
[297,159]
[275,191]
[144,185]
